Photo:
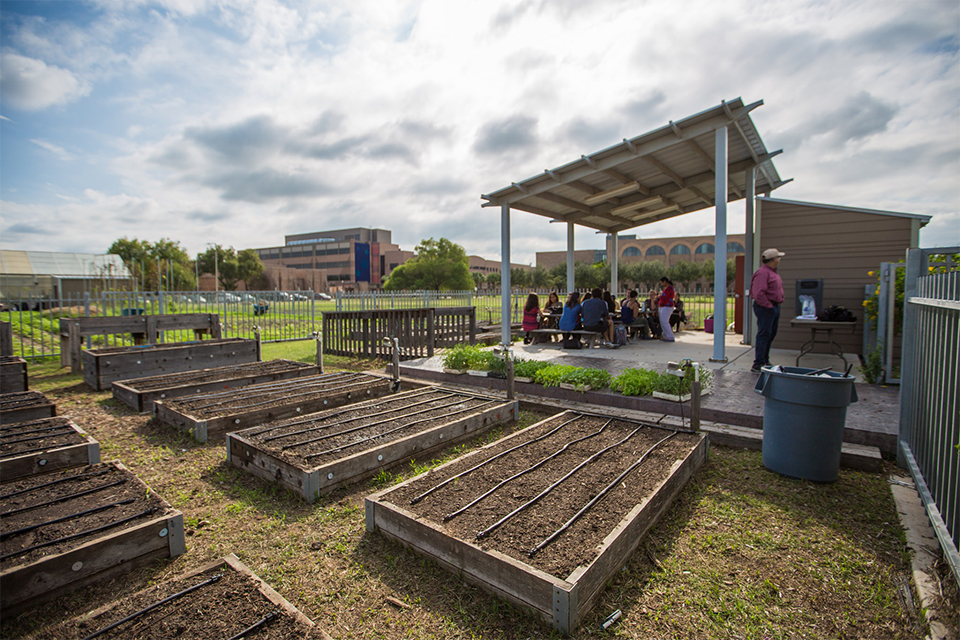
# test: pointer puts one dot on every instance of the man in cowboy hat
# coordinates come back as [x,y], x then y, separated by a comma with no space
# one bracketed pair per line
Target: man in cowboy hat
[766,289]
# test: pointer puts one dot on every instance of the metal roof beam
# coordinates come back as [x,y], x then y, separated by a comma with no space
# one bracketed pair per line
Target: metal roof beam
[639,204]
[610,194]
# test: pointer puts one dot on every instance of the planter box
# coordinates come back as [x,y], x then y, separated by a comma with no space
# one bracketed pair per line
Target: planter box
[209,416]
[25,406]
[13,374]
[69,446]
[309,481]
[478,374]
[522,379]
[560,600]
[583,388]
[98,619]
[102,367]
[660,395]
[141,393]
[93,558]
[455,372]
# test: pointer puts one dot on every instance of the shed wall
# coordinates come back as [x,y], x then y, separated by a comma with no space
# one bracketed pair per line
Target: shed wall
[840,247]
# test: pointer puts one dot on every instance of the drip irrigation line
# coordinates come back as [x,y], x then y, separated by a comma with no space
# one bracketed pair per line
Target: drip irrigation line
[655,425]
[489,460]
[88,532]
[556,484]
[400,428]
[261,388]
[354,419]
[348,409]
[58,481]
[62,499]
[593,501]
[293,445]
[158,603]
[285,397]
[31,439]
[79,514]
[451,516]
[26,424]
[273,615]
[26,451]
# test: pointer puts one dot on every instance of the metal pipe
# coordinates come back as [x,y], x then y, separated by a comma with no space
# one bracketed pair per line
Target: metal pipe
[20,552]
[53,482]
[62,499]
[79,514]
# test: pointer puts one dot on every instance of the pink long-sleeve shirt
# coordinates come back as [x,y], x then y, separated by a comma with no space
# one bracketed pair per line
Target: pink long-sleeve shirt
[766,287]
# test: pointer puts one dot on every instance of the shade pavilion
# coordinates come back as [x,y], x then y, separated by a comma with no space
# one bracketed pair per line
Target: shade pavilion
[676,169]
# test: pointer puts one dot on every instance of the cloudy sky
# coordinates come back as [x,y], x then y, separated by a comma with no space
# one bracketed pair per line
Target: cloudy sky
[239,121]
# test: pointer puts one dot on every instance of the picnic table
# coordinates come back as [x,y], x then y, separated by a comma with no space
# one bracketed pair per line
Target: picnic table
[817,326]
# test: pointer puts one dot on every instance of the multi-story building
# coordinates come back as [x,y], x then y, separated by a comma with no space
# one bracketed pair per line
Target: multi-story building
[633,249]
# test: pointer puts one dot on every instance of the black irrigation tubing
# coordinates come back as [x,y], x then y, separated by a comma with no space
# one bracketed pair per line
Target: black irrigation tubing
[58,481]
[553,486]
[354,419]
[26,451]
[273,615]
[25,424]
[79,514]
[348,409]
[451,516]
[88,532]
[593,501]
[386,433]
[68,428]
[284,397]
[301,443]
[158,603]
[260,388]
[489,460]
[62,499]
[655,425]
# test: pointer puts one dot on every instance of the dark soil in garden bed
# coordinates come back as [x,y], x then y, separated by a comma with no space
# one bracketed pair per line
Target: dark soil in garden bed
[214,374]
[217,610]
[311,440]
[577,545]
[50,514]
[167,345]
[274,394]
[22,400]
[37,435]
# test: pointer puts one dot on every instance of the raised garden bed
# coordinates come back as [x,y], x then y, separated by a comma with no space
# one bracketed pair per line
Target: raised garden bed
[25,405]
[43,446]
[141,393]
[576,491]
[211,415]
[13,374]
[315,454]
[102,367]
[220,600]
[63,530]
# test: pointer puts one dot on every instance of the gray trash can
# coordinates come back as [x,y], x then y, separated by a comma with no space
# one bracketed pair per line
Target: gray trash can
[803,421]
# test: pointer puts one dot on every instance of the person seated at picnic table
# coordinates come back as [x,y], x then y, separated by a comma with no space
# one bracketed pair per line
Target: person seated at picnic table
[570,320]
[553,308]
[531,316]
[632,317]
[653,318]
[678,315]
[665,307]
[611,302]
[594,313]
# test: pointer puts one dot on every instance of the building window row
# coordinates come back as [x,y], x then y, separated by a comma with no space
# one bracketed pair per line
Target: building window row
[681,250]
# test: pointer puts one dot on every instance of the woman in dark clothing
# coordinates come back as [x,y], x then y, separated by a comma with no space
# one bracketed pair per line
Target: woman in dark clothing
[611,302]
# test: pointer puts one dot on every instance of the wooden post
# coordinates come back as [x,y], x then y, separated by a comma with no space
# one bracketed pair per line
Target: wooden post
[256,334]
[473,325]
[430,332]
[75,345]
[695,405]
[319,337]
[511,383]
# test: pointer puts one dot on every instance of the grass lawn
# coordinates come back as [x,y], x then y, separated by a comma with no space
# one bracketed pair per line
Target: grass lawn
[741,553]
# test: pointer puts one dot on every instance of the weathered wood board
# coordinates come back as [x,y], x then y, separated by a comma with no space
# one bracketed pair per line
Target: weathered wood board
[91,621]
[25,405]
[453,423]
[84,451]
[141,393]
[6,339]
[209,416]
[13,374]
[102,367]
[90,558]
[562,601]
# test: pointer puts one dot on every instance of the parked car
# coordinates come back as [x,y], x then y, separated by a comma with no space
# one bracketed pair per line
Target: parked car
[322,296]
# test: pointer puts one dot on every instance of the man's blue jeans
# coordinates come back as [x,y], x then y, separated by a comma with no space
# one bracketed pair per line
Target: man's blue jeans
[767,321]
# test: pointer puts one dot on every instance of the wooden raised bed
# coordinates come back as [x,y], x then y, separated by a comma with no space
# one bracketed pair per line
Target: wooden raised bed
[141,393]
[130,527]
[568,572]
[13,374]
[24,406]
[102,367]
[215,608]
[43,446]
[211,415]
[360,440]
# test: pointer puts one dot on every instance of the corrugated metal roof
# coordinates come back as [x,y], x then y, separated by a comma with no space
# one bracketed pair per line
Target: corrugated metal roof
[49,263]
[658,175]
[924,219]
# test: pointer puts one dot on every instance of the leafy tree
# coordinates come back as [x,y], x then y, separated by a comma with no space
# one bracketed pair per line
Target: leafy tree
[541,278]
[493,279]
[685,272]
[478,279]
[440,265]
[230,266]
[161,265]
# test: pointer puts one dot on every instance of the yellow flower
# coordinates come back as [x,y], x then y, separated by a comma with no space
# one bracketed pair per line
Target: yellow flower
[871,273]
[866,302]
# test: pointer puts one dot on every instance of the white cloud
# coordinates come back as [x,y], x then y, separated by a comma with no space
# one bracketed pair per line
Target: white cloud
[31,85]
[60,152]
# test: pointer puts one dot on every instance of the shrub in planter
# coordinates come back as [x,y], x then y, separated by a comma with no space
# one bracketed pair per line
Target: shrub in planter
[528,368]
[635,382]
[670,384]
[552,376]
[466,356]
[579,377]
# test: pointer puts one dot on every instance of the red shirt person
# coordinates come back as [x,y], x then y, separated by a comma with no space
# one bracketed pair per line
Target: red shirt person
[766,289]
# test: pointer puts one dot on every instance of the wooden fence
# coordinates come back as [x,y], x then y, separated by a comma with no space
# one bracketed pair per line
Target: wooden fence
[419,331]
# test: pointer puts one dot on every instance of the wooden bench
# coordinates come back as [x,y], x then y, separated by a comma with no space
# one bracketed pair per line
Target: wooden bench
[592,337]
[142,328]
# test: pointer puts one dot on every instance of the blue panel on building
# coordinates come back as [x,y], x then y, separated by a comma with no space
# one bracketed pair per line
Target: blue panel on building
[361,258]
